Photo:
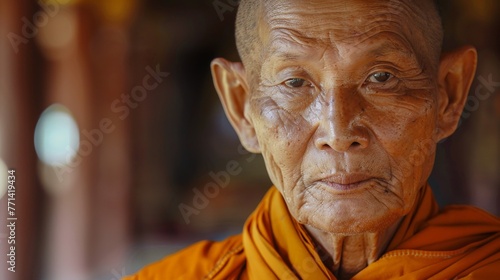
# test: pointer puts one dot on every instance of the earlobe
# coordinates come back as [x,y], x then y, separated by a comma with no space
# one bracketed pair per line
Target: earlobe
[456,73]
[231,84]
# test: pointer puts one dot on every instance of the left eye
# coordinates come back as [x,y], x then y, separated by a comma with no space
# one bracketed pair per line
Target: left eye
[296,83]
[380,77]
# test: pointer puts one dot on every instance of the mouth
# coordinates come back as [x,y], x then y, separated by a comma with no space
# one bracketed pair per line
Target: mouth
[347,182]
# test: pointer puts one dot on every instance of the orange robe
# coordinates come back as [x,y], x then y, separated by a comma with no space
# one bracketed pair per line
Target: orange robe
[458,242]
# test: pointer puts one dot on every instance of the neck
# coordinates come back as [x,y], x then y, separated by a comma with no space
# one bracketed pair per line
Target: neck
[349,254]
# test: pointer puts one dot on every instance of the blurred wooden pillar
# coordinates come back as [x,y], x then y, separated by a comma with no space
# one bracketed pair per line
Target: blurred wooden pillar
[67,240]
[112,85]
[18,112]
[87,219]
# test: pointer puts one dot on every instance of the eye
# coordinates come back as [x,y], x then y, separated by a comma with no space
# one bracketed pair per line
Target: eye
[380,77]
[296,83]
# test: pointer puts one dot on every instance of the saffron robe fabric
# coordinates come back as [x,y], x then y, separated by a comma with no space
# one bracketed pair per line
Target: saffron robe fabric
[457,242]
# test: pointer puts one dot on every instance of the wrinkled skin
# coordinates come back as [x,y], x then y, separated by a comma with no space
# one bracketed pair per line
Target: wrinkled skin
[340,121]
[346,109]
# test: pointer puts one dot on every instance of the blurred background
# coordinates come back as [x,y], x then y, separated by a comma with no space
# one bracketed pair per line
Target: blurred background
[121,150]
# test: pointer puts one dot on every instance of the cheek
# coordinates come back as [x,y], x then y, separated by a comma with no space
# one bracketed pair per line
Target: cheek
[408,137]
[283,133]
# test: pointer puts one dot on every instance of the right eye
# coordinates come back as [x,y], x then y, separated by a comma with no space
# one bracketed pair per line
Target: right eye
[380,77]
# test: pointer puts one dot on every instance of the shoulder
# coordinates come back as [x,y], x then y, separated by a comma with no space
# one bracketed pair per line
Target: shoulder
[459,242]
[473,218]
[465,233]
[454,227]
[203,260]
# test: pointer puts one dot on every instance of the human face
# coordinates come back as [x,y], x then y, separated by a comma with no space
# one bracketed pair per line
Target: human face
[345,111]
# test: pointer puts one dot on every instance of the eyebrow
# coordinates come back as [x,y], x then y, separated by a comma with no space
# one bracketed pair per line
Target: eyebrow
[380,50]
[390,48]
[286,55]
[403,51]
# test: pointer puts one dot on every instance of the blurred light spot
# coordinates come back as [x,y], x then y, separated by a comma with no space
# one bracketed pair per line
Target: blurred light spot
[3,178]
[58,34]
[483,12]
[116,10]
[56,136]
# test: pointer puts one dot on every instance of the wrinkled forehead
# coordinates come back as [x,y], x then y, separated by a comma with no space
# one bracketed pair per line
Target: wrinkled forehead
[344,24]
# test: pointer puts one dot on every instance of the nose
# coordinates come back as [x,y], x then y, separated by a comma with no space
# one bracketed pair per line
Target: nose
[339,127]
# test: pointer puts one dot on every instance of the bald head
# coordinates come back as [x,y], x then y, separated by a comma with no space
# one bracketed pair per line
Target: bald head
[337,95]
[423,16]
[249,14]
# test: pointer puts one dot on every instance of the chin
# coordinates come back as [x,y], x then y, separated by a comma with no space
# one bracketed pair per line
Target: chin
[353,225]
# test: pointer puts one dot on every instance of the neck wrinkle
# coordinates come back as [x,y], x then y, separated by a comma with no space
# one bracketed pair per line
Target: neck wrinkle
[346,262]
[351,254]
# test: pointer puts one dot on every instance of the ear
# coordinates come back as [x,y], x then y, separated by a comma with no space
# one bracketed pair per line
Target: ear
[231,84]
[456,72]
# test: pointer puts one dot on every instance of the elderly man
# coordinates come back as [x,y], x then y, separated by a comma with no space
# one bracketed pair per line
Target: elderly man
[346,101]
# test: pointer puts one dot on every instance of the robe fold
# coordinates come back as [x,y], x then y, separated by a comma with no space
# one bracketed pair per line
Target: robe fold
[457,242]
